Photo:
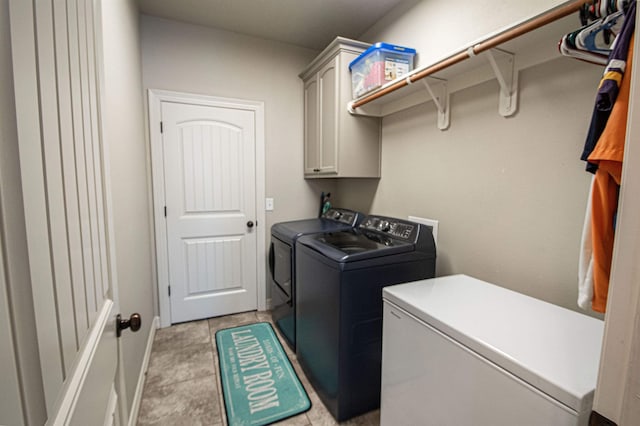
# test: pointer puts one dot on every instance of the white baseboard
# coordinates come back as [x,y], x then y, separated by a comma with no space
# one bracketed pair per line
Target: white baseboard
[137,398]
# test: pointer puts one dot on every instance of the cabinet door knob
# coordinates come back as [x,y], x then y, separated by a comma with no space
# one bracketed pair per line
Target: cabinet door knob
[250,224]
[316,170]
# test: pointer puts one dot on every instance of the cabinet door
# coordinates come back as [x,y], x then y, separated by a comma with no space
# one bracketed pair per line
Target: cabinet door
[311,126]
[329,80]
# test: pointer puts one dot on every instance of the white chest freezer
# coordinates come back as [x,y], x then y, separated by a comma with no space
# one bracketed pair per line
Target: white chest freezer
[459,351]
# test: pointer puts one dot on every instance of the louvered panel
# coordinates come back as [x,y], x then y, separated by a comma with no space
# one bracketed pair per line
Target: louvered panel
[198,169]
[61,290]
[225,171]
[186,138]
[87,159]
[206,261]
[84,292]
[217,163]
[207,155]
[79,156]
[219,263]
[69,170]
[211,189]
[235,182]
[102,285]
[229,148]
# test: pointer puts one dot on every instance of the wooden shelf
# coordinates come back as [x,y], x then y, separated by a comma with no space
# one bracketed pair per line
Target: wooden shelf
[536,46]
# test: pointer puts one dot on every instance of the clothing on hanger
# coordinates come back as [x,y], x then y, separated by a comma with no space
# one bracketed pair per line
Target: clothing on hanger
[604,150]
[609,84]
[608,155]
[585,263]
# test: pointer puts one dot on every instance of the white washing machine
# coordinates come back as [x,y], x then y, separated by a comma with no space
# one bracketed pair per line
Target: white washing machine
[459,351]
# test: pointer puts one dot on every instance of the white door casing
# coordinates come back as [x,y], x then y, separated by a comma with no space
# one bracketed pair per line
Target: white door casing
[208,170]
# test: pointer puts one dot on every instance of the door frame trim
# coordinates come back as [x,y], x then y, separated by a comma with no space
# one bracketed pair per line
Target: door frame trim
[155,98]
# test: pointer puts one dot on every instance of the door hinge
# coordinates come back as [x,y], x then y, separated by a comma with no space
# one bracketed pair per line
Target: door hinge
[169,289]
[161,128]
[165,211]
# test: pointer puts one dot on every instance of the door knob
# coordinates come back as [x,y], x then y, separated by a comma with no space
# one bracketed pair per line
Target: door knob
[250,224]
[134,322]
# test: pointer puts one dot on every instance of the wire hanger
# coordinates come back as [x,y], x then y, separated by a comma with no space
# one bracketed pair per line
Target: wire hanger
[601,21]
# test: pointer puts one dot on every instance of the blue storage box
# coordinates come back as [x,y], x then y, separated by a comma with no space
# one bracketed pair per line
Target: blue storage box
[378,65]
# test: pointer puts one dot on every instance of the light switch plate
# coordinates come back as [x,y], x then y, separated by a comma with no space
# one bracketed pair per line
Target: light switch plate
[268,205]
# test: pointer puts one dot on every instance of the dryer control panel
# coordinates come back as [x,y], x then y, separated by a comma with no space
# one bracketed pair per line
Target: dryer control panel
[343,215]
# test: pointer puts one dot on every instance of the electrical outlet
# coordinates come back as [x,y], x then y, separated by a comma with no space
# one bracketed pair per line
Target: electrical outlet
[268,205]
[429,222]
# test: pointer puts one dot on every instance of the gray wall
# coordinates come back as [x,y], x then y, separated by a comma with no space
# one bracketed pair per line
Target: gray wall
[195,59]
[129,171]
[437,29]
[510,194]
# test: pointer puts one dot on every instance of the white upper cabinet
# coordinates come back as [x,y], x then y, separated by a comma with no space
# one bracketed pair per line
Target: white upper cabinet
[337,144]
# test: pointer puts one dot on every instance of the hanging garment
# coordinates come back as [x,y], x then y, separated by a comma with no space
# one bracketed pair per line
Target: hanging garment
[608,155]
[602,185]
[609,85]
[585,264]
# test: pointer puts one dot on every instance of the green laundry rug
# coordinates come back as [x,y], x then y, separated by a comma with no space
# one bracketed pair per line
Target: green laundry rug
[258,382]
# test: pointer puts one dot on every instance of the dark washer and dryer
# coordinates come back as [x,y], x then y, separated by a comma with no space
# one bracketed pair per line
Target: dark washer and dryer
[282,262]
[339,279]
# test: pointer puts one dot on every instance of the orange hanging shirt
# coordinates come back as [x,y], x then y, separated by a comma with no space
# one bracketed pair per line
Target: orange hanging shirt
[608,154]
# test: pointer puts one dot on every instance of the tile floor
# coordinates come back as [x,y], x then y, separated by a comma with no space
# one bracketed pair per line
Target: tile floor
[183,388]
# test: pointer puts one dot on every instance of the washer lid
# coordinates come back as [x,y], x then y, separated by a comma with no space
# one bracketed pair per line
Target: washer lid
[334,220]
[352,245]
[552,348]
[289,232]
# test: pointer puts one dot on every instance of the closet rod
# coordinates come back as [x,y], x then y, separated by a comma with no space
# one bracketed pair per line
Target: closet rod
[510,34]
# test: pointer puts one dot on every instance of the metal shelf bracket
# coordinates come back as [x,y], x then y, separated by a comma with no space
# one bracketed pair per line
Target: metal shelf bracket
[439,92]
[503,65]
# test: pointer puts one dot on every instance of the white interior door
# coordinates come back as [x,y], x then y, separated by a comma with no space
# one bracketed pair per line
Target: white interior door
[66,207]
[210,187]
